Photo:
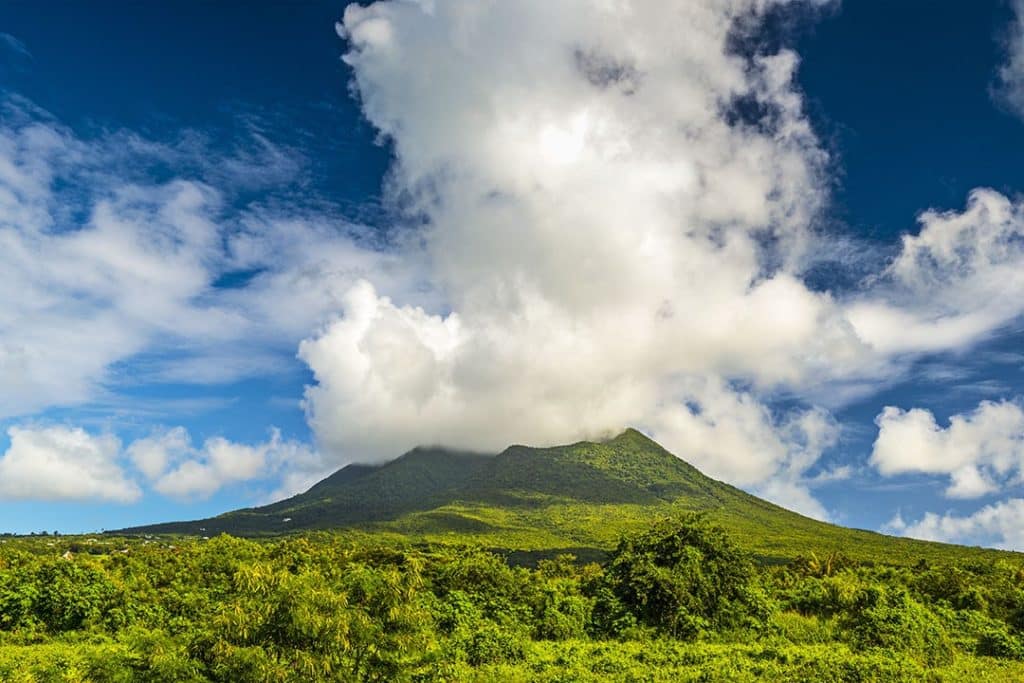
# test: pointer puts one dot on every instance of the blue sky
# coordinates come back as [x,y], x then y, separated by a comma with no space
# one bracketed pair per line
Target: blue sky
[519,224]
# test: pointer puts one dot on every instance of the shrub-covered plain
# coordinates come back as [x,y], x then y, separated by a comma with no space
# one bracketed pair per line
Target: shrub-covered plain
[679,601]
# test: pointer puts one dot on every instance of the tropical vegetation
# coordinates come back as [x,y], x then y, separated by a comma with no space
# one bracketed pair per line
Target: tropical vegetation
[678,601]
[610,561]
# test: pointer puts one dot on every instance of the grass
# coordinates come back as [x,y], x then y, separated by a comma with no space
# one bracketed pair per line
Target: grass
[783,663]
[585,661]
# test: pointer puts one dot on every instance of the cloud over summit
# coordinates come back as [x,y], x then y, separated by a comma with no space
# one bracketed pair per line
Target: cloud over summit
[618,239]
[613,244]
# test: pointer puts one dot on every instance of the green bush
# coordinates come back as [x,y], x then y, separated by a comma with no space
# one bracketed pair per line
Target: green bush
[678,602]
[561,612]
[890,619]
[493,644]
[997,641]
[798,628]
[826,597]
[56,595]
[685,576]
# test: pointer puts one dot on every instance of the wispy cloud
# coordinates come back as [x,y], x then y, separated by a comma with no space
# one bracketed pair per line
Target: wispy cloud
[13,45]
[105,266]
[1009,87]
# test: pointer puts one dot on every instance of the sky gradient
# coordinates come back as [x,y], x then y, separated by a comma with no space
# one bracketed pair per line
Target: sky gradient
[245,248]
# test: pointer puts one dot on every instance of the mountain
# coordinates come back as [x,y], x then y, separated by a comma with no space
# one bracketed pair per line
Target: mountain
[577,498]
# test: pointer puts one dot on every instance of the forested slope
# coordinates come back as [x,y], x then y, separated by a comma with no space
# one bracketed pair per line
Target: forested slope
[577,498]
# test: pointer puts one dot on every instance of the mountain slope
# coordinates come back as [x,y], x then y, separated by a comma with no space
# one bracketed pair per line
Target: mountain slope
[579,498]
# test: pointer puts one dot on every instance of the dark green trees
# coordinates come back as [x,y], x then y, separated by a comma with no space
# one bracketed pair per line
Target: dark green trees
[684,576]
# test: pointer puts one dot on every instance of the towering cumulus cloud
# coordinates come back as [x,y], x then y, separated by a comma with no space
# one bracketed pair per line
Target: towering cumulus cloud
[617,204]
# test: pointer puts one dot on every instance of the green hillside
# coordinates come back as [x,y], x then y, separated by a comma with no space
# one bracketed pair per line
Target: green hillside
[578,498]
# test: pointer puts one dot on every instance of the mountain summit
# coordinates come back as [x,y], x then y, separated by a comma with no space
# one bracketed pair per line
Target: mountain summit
[579,498]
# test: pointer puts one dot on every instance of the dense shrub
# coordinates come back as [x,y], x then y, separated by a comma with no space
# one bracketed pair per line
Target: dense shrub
[890,619]
[678,602]
[798,628]
[56,595]
[998,641]
[561,612]
[494,644]
[686,576]
[825,597]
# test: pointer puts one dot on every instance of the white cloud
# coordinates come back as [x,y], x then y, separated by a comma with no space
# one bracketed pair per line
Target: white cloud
[1000,525]
[110,280]
[980,451]
[153,454]
[611,248]
[831,475]
[102,266]
[15,46]
[63,463]
[960,278]
[178,469]
[599,231]
[69,463]
[1010,86]
[606,242]
[732,436]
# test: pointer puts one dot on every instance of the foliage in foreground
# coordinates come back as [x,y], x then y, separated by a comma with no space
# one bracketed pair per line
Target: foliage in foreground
[677,602]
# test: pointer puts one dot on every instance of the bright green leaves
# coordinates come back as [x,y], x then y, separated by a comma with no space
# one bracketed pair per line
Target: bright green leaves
[684,576]
[55,595]
[371,623]
[677,600]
